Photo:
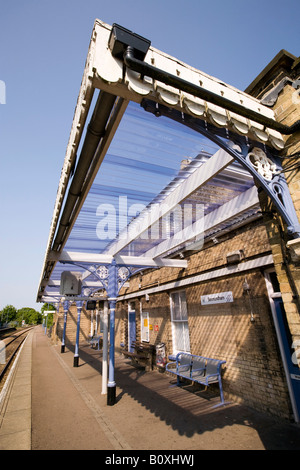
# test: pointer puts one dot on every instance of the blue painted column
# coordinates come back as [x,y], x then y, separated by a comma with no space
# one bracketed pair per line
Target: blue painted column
[76,355]
[112,300]
[63,341]
[46,326]
[46,321]
[105,349]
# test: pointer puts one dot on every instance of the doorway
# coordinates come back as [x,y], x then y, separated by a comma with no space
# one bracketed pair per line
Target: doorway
[131,326]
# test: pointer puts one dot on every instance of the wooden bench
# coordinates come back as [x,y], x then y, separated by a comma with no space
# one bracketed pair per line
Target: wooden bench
[142,354]
[203,370]
[95,341]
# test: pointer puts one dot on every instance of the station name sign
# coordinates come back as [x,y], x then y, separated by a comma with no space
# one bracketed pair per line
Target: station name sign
[220,298]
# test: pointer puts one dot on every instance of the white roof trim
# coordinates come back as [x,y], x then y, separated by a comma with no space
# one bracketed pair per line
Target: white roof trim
[108,75]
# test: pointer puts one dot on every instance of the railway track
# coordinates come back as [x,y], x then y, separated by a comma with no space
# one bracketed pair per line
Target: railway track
[10,343]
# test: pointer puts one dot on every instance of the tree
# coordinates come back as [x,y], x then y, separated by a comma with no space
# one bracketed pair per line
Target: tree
[8,314]
[29,315]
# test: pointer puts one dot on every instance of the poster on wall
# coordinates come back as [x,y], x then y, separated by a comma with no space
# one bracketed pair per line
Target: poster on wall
[219,298]
[145,326]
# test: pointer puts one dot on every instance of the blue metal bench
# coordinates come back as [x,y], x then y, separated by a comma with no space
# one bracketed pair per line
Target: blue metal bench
[95,341]
[203,370]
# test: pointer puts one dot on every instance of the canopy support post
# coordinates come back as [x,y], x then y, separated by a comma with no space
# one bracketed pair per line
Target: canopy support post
[63,342]
[112,299]
[76,355]
[105,348]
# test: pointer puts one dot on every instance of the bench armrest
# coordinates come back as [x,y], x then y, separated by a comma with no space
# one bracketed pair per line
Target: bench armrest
[212,378]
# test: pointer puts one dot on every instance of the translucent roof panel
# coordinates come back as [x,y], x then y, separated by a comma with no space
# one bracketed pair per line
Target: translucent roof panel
[148,158]
[145,155]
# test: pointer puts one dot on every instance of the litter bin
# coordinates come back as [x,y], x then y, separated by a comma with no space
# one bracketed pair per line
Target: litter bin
[161,355]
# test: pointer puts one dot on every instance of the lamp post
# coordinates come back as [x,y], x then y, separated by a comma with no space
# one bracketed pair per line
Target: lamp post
[105,348]
[112,301]
[63,342]
[76,355]
[115,274]
[46,312]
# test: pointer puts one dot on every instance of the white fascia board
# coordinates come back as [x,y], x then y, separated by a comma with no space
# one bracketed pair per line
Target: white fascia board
[232,208]
[240,268]
[150,216]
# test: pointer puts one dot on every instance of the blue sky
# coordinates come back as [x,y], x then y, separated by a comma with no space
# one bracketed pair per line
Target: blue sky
[43,47]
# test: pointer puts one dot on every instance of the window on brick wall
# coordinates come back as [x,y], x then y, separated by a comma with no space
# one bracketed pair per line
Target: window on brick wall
[179,319]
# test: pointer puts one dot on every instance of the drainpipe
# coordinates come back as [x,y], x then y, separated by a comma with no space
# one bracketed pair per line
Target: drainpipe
[162,76]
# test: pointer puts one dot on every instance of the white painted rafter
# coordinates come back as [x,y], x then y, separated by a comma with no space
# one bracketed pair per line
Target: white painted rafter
[97,259]
[232,208]
[214,165]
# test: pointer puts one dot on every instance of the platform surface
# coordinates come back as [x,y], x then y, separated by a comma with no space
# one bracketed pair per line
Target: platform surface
[51,405]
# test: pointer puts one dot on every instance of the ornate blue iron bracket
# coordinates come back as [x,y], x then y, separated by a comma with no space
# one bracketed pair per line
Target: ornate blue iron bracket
[112,278]
[261,162]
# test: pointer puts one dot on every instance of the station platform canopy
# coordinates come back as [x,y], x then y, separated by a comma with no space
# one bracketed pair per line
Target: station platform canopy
[150,172]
